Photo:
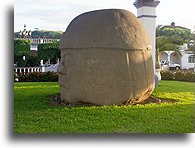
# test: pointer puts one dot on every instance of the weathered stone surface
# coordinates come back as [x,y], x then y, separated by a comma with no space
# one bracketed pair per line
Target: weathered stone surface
[106,59]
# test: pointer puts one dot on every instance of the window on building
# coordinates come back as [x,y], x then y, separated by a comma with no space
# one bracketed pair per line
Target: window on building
[191,59]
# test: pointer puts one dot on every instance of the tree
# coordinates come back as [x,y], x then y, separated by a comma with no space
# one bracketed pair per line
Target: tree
[44,33]
[49,50]
[181,35]
[33,61]
[166,43]
[191,45]
[21,48]
[170,39]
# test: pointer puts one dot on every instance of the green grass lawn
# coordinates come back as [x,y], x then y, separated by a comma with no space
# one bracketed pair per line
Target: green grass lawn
[33,114]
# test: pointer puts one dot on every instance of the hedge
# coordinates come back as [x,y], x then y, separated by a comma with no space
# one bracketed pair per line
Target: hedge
[178,76]
[53,76]
[37,77]
[167,75]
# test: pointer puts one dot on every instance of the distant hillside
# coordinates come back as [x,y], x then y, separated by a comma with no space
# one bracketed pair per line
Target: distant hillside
[44,33]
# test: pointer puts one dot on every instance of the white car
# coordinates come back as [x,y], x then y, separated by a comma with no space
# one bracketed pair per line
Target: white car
[172,65]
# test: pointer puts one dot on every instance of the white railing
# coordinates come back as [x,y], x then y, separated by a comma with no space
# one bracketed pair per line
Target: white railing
[25,70]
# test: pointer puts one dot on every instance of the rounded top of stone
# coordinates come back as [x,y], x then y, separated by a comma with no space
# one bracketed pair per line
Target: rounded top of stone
[107,28]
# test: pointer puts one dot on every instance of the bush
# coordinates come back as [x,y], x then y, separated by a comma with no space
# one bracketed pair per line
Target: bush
[180,75]
[190,77]
[21,77]
[167,75]
[39,77]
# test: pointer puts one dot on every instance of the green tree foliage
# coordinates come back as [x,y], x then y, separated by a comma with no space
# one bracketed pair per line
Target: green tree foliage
[191,45]
[181,35]
[166,43]
[21,47]
[49,50]
[44,33]
[33,61]
[20,62]
[170,39]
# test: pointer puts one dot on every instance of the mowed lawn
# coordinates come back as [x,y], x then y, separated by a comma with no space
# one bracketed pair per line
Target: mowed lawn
[33,114]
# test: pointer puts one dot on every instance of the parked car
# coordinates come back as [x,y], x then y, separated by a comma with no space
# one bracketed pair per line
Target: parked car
[172,65]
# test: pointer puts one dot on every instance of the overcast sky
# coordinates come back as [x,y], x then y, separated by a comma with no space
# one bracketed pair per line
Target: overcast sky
[57,14]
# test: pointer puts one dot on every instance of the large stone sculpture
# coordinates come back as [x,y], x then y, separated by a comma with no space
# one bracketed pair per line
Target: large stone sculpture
[106,59]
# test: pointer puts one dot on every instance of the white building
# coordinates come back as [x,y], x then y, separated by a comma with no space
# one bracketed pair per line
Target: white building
[186,61]
[26,35]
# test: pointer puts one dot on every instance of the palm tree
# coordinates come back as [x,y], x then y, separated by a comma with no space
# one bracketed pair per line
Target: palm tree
[191,43]
[166,43]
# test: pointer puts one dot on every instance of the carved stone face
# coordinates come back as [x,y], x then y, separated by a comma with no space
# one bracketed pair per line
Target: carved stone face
[106,59]
[62,70]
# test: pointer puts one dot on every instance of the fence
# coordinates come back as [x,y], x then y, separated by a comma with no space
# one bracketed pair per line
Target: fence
[24,70]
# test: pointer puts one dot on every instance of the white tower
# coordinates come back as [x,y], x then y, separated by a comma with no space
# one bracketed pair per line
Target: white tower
[146,12]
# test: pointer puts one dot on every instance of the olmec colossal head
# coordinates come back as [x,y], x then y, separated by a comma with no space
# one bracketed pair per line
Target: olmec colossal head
[106,59]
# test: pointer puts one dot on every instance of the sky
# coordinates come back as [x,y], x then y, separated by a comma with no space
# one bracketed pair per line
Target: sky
[57,14]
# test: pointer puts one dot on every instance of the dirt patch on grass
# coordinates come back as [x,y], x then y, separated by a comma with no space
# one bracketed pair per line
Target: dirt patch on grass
[153,99]
[56,101]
